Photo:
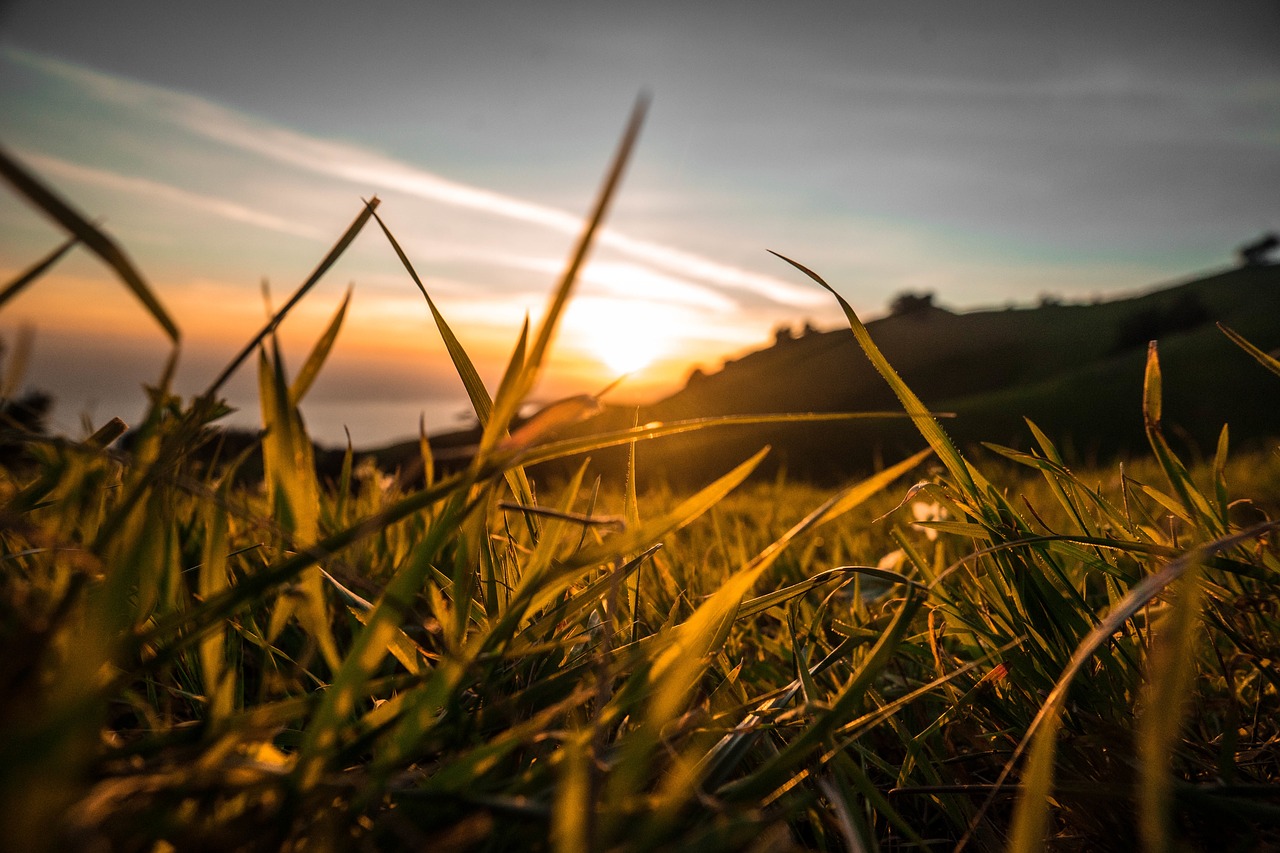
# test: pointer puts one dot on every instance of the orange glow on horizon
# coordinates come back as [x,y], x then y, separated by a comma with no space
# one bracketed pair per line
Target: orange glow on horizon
[652,346]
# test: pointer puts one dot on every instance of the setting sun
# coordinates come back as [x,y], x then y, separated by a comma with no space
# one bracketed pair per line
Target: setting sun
[627,349]
[623,335]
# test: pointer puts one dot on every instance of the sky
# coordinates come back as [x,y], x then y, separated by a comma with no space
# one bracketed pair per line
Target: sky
[989,152]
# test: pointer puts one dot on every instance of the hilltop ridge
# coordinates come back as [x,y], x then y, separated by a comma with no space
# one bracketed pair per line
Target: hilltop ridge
[1074,369]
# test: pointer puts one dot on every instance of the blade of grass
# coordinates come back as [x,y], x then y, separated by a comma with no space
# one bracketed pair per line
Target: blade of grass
[219,678]
[36,270]
[773,773]
[507,406]
[928,427]
[175,632]
[552,583]
[93,238]
[481,402]
[1174,470]
[466,369]
[660,429]
[293,491]
[778,597]
[571,810]
[1171,669]
[315,360]
[370,646]
[1268,361]
[329,260]
[1029,813]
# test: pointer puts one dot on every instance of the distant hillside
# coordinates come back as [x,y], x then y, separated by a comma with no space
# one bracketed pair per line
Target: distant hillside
[1076,370]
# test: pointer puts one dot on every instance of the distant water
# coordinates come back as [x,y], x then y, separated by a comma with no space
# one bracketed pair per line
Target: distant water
[371,423]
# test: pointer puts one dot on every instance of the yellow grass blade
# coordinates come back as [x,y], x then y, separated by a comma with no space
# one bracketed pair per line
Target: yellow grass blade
[1267,360]
[573,805]
[1171,670]
[329,260]
[293,492]
[219,679]
[369,648]
[315,360]
[507,406]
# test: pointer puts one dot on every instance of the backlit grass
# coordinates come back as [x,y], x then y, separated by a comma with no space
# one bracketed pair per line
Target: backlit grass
[944,654]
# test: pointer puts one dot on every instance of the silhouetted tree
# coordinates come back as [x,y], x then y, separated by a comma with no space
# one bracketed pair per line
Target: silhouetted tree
[910,303]
[1257,253]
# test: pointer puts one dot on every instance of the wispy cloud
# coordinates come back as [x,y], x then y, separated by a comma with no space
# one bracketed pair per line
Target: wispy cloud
[626,279]
[370,170]
[162,192]
[365,168]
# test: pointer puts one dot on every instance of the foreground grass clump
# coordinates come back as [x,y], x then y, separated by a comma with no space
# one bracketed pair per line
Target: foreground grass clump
[355,665]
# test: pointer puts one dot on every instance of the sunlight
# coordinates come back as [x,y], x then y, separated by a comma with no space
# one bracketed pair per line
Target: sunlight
[625,336]
[627,350]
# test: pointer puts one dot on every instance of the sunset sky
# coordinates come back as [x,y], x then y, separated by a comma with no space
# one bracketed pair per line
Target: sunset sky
[991,152]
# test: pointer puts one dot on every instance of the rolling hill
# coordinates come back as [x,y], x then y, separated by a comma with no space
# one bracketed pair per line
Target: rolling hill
[1074,369]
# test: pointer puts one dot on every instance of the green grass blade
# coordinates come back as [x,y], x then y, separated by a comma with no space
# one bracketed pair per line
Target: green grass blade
[1152,390]
[574,804]
[175,632]
[481,402]
[551,584]
[1044,726]
[1031,816]
[508,384]
[219,678]
[589,596]
[775,771]
[1195,504]
[342,492]
[424,452]
[929,428]
[1220,475]
[555,535]
[778,597]
[684,512]
[293,492]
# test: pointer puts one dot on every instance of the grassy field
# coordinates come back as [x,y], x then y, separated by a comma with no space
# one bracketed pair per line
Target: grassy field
[952,653]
